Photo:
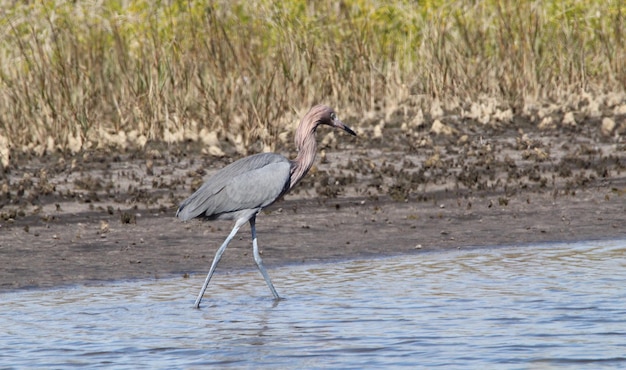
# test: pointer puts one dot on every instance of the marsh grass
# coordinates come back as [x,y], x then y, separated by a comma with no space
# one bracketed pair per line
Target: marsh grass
[80,75]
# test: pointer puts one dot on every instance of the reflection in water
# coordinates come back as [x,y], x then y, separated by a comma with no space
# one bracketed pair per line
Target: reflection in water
[557,305]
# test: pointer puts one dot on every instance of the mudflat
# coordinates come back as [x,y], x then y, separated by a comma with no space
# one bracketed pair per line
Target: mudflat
[108,215]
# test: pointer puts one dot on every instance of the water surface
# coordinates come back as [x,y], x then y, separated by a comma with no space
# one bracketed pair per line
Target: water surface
[540,306]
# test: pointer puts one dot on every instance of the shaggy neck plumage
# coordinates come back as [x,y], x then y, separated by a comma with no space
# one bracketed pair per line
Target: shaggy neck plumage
[307,149]
[305,142]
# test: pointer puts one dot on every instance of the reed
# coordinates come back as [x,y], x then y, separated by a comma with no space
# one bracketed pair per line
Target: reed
[82,75]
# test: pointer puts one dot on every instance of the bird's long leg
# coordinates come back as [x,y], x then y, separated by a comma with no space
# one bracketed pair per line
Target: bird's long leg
[258,260]
[216,260]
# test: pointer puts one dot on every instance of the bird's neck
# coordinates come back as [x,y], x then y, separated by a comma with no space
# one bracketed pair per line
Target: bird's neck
[303,162]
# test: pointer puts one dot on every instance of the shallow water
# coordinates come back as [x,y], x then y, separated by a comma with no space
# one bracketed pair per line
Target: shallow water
[543,306]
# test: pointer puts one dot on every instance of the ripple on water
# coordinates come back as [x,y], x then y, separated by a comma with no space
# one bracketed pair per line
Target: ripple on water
[548,305]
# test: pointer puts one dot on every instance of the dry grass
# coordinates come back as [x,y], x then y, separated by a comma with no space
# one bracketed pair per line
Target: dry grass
[80,75]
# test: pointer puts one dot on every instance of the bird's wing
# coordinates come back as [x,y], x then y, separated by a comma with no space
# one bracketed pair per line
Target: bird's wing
[249,183]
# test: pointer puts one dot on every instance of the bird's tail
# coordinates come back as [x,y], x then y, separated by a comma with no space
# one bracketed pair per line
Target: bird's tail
[182,213]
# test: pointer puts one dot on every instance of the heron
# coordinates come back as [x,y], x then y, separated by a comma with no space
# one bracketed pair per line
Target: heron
[243,188]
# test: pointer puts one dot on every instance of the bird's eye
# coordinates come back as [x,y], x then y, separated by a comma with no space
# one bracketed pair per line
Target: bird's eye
[333,116]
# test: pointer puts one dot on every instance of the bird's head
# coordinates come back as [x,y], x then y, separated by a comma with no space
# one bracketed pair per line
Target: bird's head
[305,138]
[324,115]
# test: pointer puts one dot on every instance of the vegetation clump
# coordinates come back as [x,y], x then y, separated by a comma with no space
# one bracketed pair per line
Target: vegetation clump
[82,75]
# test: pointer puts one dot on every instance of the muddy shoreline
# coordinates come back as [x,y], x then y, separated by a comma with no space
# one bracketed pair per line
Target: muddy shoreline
[106,215]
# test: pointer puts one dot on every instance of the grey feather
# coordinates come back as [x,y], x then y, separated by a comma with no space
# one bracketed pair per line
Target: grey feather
[246,185]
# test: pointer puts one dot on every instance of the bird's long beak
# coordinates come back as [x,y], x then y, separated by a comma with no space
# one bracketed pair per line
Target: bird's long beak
[337,123]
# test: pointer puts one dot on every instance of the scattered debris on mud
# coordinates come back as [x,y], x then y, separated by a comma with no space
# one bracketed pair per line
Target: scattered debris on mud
[456,182]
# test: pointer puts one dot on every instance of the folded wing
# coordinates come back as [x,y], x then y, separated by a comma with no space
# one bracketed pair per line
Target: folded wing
[250,183]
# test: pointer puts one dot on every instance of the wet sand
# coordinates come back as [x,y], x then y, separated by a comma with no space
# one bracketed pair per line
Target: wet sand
[106,215]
